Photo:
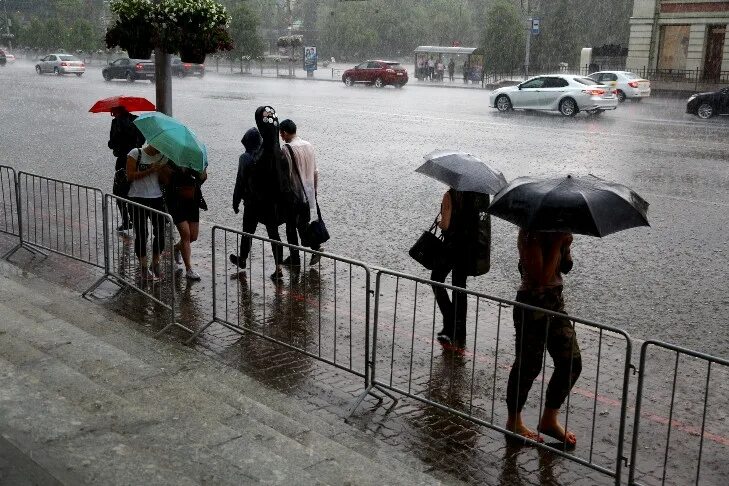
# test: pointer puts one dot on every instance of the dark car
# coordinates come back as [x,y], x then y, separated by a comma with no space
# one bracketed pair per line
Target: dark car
[129,69]
[706,105]
[376,73]
[184,69]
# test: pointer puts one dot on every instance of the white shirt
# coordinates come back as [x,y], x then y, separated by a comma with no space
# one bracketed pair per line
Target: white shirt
[147,187]
[306,163]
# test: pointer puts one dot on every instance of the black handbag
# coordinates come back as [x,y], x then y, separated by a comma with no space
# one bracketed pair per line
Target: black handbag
[429,250]
[316,232]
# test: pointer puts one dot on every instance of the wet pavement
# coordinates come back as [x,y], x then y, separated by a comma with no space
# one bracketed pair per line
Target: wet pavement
[665,282]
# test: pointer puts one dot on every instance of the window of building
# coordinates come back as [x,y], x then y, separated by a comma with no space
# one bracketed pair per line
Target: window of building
[673,46]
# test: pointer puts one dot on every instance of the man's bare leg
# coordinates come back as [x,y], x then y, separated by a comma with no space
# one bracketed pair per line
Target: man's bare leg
[549,425]
[515,424]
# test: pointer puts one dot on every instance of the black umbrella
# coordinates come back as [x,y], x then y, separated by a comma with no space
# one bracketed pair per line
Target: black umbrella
[584,205]
[462,171]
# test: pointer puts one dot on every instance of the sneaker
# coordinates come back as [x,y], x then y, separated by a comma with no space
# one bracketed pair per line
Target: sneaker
[178,256]
[235,260]
[288,263]
[147,276]
[444,339]
[192,275]
[315,257]
[157,269]
[124,227]
[277,276]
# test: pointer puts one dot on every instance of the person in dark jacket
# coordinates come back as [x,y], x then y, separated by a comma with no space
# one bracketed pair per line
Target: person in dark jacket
[458,216]
[259,188]
[124,136]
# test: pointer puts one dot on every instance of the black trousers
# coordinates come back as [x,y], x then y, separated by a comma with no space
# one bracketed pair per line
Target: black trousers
[454,311]
[120,188]
[139,219]
[250,224]
[295,228]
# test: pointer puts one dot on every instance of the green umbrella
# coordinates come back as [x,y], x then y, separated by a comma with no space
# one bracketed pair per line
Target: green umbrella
[174,140]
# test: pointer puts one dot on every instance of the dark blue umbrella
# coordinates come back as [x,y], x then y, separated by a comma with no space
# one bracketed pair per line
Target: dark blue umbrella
[462,172]
[585,205]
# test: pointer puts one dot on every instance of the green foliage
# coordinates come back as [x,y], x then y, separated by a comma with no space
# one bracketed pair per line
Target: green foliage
[244,32]
[53,34]
[503,37]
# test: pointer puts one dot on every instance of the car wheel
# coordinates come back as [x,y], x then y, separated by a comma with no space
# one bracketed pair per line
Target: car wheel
[705,111]
[379,83]
[129,77]
[568,107]
[38,70]
[399,85]
[56,72]
[503,103]
[348,81]
[107,76]
[79,74]
[621,96]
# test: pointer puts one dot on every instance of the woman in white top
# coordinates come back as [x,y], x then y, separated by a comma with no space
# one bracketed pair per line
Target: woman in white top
[144,167]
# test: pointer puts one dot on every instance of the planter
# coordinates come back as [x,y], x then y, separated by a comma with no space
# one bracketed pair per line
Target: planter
[195,55]
[139,52]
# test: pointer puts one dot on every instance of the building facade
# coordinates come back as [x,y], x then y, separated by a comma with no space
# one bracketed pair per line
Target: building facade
[680,35]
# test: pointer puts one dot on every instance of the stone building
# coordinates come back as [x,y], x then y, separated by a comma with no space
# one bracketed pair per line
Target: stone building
[680,35]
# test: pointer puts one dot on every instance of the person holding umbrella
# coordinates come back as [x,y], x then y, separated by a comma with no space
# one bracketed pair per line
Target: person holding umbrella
[184,199]
[123,137]
[466,230]
[549,211]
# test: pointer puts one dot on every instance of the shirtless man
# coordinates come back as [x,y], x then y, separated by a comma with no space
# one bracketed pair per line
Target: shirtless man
[543,257]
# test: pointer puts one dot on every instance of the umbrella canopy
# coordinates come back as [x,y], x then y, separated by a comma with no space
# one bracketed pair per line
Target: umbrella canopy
[462,171]
[174,140]
[585,205]
[130,103]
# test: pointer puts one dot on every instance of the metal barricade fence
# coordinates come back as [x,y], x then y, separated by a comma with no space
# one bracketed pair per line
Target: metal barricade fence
[471,382]
[9,197]
[150,232]
[320,310]
[60,217]
[681,429]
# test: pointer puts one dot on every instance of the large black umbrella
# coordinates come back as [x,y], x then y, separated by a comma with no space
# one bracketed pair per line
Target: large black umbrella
[462,171]
[584,205]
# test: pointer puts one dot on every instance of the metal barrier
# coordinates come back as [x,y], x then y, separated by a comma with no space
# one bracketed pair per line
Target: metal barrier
[320,310]
[693,427]
[470,383]
[61,217]
[9,200]
[126,268]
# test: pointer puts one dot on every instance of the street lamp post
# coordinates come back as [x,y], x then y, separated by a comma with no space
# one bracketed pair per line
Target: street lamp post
[163,79]
[528,41]
[8,35]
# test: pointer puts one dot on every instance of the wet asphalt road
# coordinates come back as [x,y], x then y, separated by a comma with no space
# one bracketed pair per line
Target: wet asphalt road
[667,281]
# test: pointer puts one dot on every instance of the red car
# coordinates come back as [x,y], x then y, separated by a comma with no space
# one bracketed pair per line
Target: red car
[377,73]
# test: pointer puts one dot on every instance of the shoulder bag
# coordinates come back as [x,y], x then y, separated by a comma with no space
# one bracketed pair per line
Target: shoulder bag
[429,250]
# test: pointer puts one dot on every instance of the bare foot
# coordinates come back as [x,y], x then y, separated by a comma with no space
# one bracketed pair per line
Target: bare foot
[524,431]
[556,431]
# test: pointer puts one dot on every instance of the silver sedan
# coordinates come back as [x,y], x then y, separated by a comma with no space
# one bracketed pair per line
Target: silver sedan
[566,93]
[60,64]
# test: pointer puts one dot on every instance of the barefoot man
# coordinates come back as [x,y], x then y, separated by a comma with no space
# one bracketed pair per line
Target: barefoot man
[543,257]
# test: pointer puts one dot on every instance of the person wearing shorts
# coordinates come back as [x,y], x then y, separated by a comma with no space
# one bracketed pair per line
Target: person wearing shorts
[183,201]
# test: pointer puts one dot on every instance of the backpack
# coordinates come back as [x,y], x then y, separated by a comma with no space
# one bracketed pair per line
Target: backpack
[474,232]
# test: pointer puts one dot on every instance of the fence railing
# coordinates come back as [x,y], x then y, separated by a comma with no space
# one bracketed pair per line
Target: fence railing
[469,383]
[9,200]
[322,310]
[61,217]
[143,261]
[685,418]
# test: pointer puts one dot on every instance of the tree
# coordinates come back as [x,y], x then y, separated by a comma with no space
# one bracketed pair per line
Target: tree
[244,31]
[503,37]
[81,35]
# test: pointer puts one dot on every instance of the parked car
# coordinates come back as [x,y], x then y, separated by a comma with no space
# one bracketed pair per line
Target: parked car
[5,56]
[706,105]
[568,94]
[376,73]
[129,69]
[625,84]
[60,64]
[184,69]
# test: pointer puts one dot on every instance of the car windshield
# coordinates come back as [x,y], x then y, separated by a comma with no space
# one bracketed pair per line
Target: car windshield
[68,58]
[631,76]
[587,81]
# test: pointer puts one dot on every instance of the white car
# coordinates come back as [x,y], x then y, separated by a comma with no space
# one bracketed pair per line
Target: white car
[569,94]
[624,83]
[60,64]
